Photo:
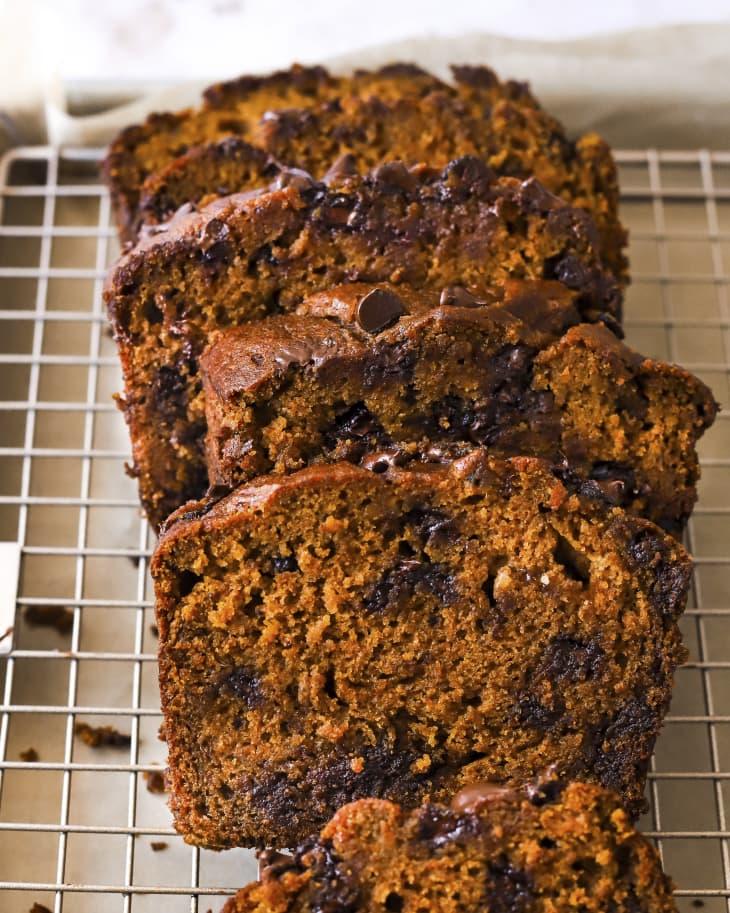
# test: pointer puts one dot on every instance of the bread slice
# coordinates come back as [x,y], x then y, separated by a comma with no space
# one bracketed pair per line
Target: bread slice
[247,256]
[557,847]
[382,373]
[358,132]
[235,108]
[338,634]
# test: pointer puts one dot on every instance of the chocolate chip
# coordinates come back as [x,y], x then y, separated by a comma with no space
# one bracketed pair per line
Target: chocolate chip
[478,795]
[216,230]
[569,659]
[342,167]
[293,177]
[285,564]
[378,310]
[533,197]
[395,174]
[458,296]
[241,684]
[509,890]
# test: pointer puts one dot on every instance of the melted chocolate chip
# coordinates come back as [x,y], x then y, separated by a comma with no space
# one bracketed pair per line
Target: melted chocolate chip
[439,826]
[533,197]
[409,578]
[241,684]
[476,796]
[272,864]
[433,526]
[293,177]
[357,422]
[569,659]
[651,551]
[334,887]
[395,174]
[379,309]
[458,296]
[283,564]
[342,167]
[509,890]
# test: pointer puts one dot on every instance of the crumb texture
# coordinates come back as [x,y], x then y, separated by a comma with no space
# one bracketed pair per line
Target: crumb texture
[386,374]
[573,849]
[308,119]
[242,258]
[338,634]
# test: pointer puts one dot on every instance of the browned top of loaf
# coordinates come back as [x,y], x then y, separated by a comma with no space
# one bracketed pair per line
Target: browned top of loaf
[235,107]
[418,225]
[243,357]
[250,500]
[360,132]
[557,848]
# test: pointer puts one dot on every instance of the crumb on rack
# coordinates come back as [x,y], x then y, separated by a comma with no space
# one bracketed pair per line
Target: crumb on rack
[154,630]
[50,616]
[102,736]
[159,845]
[39,908]
[30,755]
[155,780]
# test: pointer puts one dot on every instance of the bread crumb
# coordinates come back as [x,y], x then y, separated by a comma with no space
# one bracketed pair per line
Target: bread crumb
[155,780]
[158,846]
[30,756]
[50,616]
[102,736]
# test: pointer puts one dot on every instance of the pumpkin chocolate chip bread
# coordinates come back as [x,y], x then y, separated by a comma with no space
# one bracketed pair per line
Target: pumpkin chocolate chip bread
[338,634]
[233,109]
[247,256]
[305,118]
[376,373]
[515,139]
[546,848]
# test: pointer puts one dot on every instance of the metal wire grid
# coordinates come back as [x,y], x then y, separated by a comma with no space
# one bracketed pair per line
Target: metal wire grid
[77,825]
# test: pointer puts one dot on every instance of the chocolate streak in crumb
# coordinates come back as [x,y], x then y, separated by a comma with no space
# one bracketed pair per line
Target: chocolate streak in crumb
[102,736]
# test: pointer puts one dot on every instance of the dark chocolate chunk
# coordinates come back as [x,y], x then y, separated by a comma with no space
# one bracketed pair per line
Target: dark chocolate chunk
[569,659]
[284,563]
[509,890]
[293,177]
[342,167]
[396,175]
[458,296]
[378,310]
[409,578]
[242,684]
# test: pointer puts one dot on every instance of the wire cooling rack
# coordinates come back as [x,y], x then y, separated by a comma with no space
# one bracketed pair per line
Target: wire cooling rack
[79,829]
